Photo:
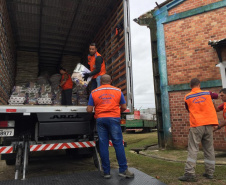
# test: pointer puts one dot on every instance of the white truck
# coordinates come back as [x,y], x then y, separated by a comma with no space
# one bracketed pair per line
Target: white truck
[57,31]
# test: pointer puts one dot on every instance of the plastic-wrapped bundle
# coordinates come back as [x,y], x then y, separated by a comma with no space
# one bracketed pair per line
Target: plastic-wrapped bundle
[81,91]
[17,94]
[82,100]
[46,95]
[33,87]
[19,89]
[55,78]
[32,98]
[16,100]
[55,81]
[74,99]
[44,101]
[43,80]
[45,89]
[33,90]
[17,97]
[16,89]
[57,98]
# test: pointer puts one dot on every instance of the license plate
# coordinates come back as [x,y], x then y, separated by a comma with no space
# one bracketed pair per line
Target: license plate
[6,132]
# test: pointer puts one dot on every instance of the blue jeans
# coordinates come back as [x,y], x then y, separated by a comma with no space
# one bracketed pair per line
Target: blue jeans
[95,82]
[111,127]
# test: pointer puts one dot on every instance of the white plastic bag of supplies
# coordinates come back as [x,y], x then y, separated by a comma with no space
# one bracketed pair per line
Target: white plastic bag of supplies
[78,74]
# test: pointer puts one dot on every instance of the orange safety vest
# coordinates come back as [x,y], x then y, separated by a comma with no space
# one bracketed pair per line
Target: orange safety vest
[224,110]
[68,84]
[201,108]
[91,62]
[106,101]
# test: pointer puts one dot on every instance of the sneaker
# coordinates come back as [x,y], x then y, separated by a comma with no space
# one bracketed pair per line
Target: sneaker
[188,178]
[105,175]
[207,176]
[126,174]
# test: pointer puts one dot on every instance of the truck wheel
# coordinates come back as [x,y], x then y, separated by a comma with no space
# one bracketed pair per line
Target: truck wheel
[146,129]
[123,128]
[10,161]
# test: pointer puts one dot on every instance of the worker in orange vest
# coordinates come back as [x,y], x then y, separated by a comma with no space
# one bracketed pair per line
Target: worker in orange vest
[96,65]
[202,119]
[66,84]
[222,107]
[108,103]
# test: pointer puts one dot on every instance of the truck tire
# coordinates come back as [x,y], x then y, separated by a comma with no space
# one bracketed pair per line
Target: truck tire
[146,129]
[123,128]
[10,161]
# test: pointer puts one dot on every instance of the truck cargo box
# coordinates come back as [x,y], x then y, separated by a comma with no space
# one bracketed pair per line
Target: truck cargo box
[38,36]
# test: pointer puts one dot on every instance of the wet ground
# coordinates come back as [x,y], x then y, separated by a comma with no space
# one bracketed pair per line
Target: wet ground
[49,163]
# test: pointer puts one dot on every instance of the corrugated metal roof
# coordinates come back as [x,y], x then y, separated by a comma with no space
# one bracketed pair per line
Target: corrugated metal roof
[56,27]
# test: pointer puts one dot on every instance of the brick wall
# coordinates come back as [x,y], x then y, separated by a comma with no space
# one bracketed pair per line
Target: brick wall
[180,121]
[190,4]
[188,56]
[187,50]
[7,55]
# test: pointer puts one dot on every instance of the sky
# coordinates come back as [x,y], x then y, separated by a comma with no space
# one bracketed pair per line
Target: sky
[141,55]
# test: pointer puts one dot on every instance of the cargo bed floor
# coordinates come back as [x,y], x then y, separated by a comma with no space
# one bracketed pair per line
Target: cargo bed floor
[88,178]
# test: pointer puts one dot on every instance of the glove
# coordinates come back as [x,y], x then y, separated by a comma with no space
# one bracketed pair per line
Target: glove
[86,76]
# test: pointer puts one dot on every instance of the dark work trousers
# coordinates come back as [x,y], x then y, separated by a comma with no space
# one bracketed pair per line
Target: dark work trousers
[66,97]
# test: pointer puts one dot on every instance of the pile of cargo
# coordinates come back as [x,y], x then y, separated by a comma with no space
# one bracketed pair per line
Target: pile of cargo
[27,67]
[46,89]
[44,92]
[79,93]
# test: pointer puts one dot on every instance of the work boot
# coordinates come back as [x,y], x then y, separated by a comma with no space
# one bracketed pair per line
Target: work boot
[105,175]
[207,176]
[126,174]
[188,178]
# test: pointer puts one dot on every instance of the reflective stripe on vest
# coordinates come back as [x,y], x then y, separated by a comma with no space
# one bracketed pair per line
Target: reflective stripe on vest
[68,84]
[107,101]
[92,61]
[201,108]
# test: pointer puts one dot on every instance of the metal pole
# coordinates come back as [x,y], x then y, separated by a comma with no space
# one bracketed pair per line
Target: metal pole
[18,161]
[98,159]
[25,159]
